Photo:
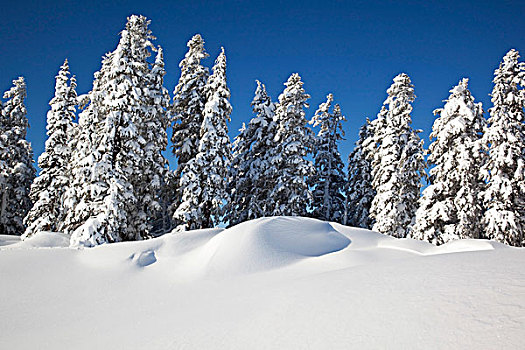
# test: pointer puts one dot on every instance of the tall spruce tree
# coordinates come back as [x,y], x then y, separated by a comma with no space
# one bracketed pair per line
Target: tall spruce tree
[250,176]
[398,163]
[204,179]
[151,184]
[239,208]
[188,112]
[109,168]
[504,219]
[451,207]
[328,180]
[17,158]
[359,190]
[48,188]
[79,196]
[294,140]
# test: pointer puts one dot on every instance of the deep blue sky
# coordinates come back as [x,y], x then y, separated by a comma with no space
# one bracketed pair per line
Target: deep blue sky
[350,48]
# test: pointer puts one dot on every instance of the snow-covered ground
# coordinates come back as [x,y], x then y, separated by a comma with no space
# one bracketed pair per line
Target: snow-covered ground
[272,283]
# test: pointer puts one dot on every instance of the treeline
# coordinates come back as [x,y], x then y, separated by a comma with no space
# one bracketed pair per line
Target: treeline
[104,179]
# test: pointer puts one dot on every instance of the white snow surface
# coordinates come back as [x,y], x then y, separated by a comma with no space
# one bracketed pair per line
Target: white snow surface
[270,283]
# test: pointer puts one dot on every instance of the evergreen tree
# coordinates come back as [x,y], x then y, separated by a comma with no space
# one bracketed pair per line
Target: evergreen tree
[79,196]
[450,207]
[109,167]
[203,181]
[251,179]
[398,162]
[48,188]
[359,190]
[151,186]
[328,181]
[504,139]
[188,110]
[17,160]
[294,140]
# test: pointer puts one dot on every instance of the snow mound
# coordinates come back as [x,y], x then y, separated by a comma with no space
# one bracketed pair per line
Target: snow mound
[8,240]
[267,244]
[41,240]
[468,245]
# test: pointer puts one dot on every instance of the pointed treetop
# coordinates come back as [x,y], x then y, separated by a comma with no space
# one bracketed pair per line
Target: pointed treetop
[218,76]
[461,92]
[158,66]
[136,37]
[459,106]
[460,88]
[295,78]
[196,42]
[65,66]
[220,62]
[294,87]
[63,91]
[18,89]
[261,100]
[510,63]
[62,74]
[138,23]
[510,71]
[195,53]
[261,95]
[511,56]
[73,79]
[14,108]
[159,59]
[324,107]
[402,78]
[217,87]
[401,89]
[322,112]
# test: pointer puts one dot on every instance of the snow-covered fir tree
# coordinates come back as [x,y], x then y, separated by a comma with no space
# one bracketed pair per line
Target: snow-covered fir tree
[188,110]
[451,206]
[328,180]
[17,159]
[251,177]
[152,184]
[108,167]
[504,219]
[204,179]
[48,188]
[78,199]
[359,190]
[398,163]
[294,140]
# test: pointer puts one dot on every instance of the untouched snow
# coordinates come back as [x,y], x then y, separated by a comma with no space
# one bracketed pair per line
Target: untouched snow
[270,283]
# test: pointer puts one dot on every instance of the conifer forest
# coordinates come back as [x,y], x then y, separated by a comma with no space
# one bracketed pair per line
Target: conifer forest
[104,177]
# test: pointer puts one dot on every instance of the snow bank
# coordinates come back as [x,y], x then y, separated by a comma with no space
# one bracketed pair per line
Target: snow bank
[8,240]
[270,243]
[41,240]
[269,283]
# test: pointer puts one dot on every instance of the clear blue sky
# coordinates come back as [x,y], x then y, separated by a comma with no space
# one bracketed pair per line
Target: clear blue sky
[350,48]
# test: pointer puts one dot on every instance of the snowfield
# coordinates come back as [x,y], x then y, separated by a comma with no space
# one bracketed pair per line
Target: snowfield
[271,283]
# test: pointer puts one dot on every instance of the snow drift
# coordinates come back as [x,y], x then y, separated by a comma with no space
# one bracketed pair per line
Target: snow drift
[278,282]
